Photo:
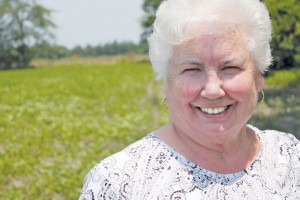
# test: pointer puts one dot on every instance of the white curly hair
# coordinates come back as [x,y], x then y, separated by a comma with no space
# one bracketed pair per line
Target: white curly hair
[178,21]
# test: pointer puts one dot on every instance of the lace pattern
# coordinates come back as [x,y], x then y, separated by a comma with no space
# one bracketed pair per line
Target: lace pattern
[149,169]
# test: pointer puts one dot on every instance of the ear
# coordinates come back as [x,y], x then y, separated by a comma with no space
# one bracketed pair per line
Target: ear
[260,82]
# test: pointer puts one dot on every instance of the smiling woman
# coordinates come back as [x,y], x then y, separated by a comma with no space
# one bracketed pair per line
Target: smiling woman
[214,74]
[211,55]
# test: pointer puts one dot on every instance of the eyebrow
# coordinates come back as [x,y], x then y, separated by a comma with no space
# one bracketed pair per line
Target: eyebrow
[230,60]
[226,62]
[199,63]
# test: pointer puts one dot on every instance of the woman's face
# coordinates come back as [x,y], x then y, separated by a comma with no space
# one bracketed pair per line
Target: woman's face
[212,84]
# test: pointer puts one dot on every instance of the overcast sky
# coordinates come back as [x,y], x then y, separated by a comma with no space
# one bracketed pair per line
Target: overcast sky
[82,22]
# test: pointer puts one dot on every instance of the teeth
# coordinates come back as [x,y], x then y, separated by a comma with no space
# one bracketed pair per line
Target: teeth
[213,111]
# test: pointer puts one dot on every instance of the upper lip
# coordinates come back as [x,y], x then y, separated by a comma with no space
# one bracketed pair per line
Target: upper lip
[214,106]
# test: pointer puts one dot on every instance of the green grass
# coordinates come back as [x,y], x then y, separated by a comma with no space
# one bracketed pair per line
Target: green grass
[284,78]
[57,122]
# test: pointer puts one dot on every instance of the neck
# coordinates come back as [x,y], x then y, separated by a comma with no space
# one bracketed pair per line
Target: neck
[224,154]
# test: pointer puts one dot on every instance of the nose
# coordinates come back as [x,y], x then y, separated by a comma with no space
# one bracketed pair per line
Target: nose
[212,88]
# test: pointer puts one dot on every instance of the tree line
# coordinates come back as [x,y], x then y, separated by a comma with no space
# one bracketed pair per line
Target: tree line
[26,34]
[51,51]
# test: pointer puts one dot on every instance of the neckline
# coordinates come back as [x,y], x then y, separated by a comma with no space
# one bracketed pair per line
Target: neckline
[193,165]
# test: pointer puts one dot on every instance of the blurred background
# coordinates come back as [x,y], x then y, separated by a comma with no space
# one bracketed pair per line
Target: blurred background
[76,86]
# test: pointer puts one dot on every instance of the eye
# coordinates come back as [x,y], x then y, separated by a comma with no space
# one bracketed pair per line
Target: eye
[192,69]
[231,69]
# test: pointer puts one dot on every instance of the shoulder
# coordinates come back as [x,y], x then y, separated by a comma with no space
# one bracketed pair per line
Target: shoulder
[276,143]
[284,145]
[274,136]
[98,182]
[282,154]
[280,138]
[108,176]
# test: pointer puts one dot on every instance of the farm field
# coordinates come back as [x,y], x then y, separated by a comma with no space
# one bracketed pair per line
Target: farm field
[58,121]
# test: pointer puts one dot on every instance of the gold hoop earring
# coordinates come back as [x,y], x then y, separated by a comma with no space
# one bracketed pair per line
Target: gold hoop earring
[164,102]
[262,96]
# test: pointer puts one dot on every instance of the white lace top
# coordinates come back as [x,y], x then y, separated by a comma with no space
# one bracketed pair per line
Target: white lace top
[149,169]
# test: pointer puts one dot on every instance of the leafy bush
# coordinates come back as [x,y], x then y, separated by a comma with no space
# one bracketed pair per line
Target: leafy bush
[284,78]
[281,108]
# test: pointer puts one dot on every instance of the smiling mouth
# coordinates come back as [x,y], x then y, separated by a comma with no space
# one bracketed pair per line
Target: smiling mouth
[214,111]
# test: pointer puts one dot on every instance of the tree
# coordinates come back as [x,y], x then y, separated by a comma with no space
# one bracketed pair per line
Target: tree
[286,22]
[149,7]
[23,23]
[286,37]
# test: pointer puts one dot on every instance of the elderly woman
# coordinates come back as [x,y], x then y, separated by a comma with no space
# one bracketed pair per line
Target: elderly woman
[211,55]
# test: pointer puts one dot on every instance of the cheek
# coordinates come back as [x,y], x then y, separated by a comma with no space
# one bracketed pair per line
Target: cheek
[241,88]
[187,88]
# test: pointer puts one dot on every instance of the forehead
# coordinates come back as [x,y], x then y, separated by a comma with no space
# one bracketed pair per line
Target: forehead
[218,44]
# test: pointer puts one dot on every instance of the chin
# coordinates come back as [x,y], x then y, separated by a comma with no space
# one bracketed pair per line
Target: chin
[219,129]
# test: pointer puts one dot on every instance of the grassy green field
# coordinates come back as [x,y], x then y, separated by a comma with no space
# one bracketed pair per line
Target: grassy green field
[57,122]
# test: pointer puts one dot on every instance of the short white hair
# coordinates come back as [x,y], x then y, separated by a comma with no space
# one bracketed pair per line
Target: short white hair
[178,21]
